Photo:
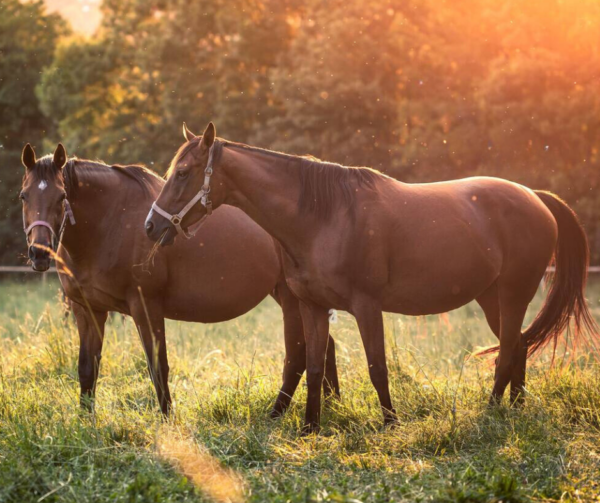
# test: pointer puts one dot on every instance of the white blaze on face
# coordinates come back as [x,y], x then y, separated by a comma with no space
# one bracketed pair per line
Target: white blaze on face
[43,184]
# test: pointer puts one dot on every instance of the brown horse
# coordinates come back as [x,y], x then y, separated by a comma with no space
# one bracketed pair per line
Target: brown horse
[359,241]
[98,211]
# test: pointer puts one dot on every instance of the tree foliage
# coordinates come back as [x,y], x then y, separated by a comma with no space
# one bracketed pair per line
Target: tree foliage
[423,90]
[27,40]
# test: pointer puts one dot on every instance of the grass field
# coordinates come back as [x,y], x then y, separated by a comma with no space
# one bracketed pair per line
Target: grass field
[220,446]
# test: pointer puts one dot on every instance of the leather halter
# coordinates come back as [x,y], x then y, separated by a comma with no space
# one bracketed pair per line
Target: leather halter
[56,238]
[201,196]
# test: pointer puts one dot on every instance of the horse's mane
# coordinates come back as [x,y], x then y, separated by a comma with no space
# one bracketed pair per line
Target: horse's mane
[76,170]
[322,184]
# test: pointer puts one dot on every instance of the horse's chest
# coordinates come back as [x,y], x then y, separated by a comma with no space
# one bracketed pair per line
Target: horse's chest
[323,274]
[317,286]
[299,285]
[101,291]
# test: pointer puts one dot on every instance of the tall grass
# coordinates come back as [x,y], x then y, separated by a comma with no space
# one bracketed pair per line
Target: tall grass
[220,446]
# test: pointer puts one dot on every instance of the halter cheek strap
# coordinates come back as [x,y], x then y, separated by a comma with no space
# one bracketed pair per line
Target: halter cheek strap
[202,196]
[68,215]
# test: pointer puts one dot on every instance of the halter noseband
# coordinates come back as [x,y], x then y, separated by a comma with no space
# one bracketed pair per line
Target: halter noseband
[201,196]
[68,214]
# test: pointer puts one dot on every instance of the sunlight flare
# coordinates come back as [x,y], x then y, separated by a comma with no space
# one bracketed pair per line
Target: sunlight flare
[222,485]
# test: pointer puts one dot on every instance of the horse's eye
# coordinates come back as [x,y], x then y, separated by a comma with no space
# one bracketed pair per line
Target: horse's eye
[182,174]
[22,196]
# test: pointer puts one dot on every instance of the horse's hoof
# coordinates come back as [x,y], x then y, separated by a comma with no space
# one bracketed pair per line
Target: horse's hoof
[332,398]
[86,405]
[276,413]
[391,424]
[390,418]
[310,429]
[517,402]
[494,402]
[330,402]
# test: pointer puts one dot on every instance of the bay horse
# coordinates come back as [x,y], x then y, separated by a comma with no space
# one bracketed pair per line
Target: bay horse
[97,213]
[356,240]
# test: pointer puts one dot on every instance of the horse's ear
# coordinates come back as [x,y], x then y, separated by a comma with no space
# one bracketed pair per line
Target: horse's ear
[187,134]
[210,133]
[60,156]
[28,157]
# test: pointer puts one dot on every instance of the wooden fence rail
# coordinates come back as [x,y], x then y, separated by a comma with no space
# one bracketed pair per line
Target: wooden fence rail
[22,268]
[26,269]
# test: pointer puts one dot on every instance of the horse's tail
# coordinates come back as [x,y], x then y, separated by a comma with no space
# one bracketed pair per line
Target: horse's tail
[566,299]
[565,302]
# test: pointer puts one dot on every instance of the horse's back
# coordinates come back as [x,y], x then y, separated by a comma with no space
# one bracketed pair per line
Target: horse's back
[489,205]
[461,236]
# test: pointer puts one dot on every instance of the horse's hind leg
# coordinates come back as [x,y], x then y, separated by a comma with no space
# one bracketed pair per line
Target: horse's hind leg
[490,304]
[511,320]
[510,365]
[331,384]
[148,316]
[517,382]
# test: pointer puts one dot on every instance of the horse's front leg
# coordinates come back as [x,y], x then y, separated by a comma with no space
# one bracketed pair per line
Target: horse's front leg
[316,334]
[148,316]
[369,318]
[294,364]
[90,325]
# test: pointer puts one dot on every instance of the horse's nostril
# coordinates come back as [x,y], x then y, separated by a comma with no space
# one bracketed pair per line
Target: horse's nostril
[38,252]
[149,226]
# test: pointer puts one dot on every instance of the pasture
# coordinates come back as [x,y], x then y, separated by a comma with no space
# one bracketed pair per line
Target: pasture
[221,446]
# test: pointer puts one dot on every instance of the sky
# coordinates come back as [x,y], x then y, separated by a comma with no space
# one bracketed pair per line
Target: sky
[84,15]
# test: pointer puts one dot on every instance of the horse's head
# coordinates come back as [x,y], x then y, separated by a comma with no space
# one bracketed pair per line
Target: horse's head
[43,195]
[185,198]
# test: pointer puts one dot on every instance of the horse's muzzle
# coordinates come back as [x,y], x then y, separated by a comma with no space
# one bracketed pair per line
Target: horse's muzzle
[40,257]
[159,229]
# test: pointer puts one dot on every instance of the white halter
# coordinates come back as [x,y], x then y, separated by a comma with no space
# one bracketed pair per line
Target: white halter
[201,196]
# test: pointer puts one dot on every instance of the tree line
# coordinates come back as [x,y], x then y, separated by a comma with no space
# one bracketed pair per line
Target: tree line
[422,90]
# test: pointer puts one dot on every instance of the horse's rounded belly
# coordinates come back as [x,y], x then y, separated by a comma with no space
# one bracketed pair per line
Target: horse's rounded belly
[433,303]
[214,300]
[436,292]
[226,270]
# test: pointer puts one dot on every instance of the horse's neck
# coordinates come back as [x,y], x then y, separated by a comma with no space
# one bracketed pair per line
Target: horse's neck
[92,204]
[267,190]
